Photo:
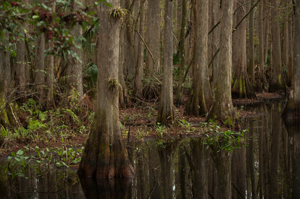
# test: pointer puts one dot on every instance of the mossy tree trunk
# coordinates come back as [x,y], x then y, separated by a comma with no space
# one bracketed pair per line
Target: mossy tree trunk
[241,83]
[276,81]
[222,106]
[105,155]
[7,110]
[197,102]
[166,110]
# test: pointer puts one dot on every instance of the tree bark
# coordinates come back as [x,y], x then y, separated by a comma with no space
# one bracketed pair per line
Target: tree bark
[251,44]
[216,42]
[49,79]
[40,64]
[74,65]
[222,106]
[166,111]
[260,83]
[153,31]
[286,42]
[241,83]
[292,109]
[105,155]
[276,81]
[139,67]
[20,69]
[197,102]
[128,42]
[181,71]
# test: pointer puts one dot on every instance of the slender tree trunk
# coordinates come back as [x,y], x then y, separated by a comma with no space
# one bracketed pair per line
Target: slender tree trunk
[128,42]
[20,69]
[286,52]
[251,41]
[276,81]
[286,43]
[267,28]
[136,36]
[105,155]
[216,42]
[292,109]
[123,95]
[291,54]
[182,55]
[49,63]
[153,31]
[222,106]
[166,111]
[260,84]
[40,64]
[139,67]
[241,83]
[7,110]
[74,65]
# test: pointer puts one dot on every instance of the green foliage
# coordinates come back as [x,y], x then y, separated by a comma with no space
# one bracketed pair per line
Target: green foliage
[118,13]
[56,25]
[176,58]
[55,157]
[91,72]
[160,129]
[44,126]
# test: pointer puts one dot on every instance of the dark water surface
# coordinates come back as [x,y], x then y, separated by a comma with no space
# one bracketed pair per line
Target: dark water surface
[269,167]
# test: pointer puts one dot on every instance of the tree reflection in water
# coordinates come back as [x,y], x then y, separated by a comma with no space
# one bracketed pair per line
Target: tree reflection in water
[267,168]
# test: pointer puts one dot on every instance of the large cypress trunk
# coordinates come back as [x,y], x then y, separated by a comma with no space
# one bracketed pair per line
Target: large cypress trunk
[241,82]
[222,106]
[105,155]
[197,98]
[166,111]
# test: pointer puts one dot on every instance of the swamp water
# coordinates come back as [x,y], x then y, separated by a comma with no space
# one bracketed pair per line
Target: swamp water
[269,167]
